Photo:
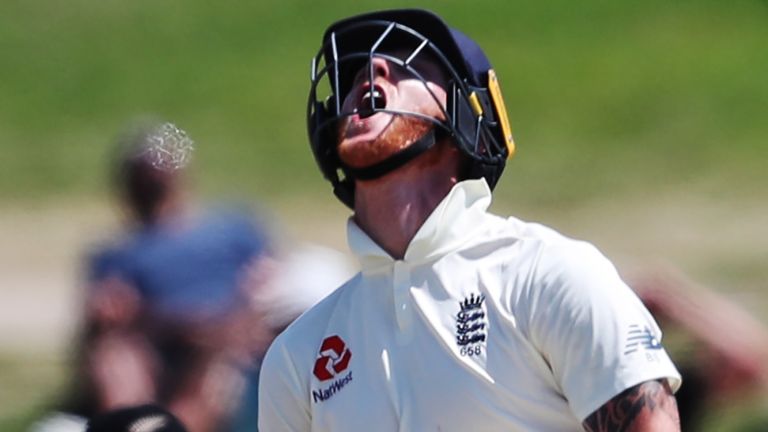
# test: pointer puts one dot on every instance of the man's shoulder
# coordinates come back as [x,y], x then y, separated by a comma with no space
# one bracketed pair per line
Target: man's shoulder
[567,271]
[550,255]
[546,236]
[537,238]
[307,330]
[292,354]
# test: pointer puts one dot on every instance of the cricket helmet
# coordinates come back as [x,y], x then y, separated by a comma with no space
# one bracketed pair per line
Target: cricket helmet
[475,116]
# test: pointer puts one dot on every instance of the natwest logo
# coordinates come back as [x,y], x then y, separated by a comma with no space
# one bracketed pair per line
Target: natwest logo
[334,358]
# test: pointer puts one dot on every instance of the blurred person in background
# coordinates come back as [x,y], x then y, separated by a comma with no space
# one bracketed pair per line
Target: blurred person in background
[178,311]
[722,350]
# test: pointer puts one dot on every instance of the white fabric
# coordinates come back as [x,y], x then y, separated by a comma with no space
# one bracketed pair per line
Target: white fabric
[304,276]
[60,422]
[562,334]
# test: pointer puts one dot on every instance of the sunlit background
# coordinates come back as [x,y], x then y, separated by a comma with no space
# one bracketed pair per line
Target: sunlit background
[641,126]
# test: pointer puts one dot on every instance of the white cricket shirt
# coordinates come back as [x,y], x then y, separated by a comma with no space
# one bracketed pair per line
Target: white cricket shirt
[487,324]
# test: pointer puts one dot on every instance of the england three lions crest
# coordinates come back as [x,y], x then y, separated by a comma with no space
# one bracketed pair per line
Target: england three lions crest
[471,325]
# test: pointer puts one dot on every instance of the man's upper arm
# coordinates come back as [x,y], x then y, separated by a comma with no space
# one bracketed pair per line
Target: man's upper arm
[648,406]
[281,405]
[595,334]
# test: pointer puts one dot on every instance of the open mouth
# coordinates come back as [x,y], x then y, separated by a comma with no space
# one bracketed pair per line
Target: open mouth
[371,100]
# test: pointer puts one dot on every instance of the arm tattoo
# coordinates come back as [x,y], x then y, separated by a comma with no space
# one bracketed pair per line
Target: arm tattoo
[619,414]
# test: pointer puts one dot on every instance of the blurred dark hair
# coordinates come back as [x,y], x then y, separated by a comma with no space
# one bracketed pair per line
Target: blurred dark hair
[136,177]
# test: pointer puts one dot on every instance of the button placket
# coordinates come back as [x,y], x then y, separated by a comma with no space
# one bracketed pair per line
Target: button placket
[401,286]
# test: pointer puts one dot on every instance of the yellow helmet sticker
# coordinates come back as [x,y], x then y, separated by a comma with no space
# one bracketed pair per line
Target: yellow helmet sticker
[501,111]
[474,101]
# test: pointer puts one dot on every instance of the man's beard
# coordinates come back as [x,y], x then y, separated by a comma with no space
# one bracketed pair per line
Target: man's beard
[401,132]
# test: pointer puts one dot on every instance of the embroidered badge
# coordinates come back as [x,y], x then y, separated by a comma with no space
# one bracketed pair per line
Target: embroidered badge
[470,325]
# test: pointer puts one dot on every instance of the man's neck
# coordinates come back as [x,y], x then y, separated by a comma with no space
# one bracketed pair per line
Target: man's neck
[391,209]
[173,210]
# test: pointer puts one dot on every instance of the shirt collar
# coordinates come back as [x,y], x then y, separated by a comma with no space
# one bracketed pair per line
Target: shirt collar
[451,224]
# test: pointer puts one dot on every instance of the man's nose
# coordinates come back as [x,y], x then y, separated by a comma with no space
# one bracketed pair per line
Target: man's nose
[377,67]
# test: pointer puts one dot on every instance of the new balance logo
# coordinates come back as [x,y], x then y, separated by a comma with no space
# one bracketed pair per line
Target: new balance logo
[640,337]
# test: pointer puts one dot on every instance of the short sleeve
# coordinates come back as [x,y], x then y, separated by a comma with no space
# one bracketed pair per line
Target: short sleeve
[591,328]
[282,405]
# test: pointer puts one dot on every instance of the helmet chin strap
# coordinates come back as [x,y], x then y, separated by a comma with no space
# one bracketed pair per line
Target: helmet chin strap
[395,161]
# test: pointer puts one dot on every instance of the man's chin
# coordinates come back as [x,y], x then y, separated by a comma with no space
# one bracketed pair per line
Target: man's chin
[370,147]
[357,153]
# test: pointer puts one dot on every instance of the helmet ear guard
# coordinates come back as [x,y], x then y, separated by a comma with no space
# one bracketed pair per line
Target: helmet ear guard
[476,120]
[322,139]
[320,136]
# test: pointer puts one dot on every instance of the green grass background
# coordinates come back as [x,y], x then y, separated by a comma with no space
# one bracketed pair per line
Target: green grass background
[605,97]
[609,100]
